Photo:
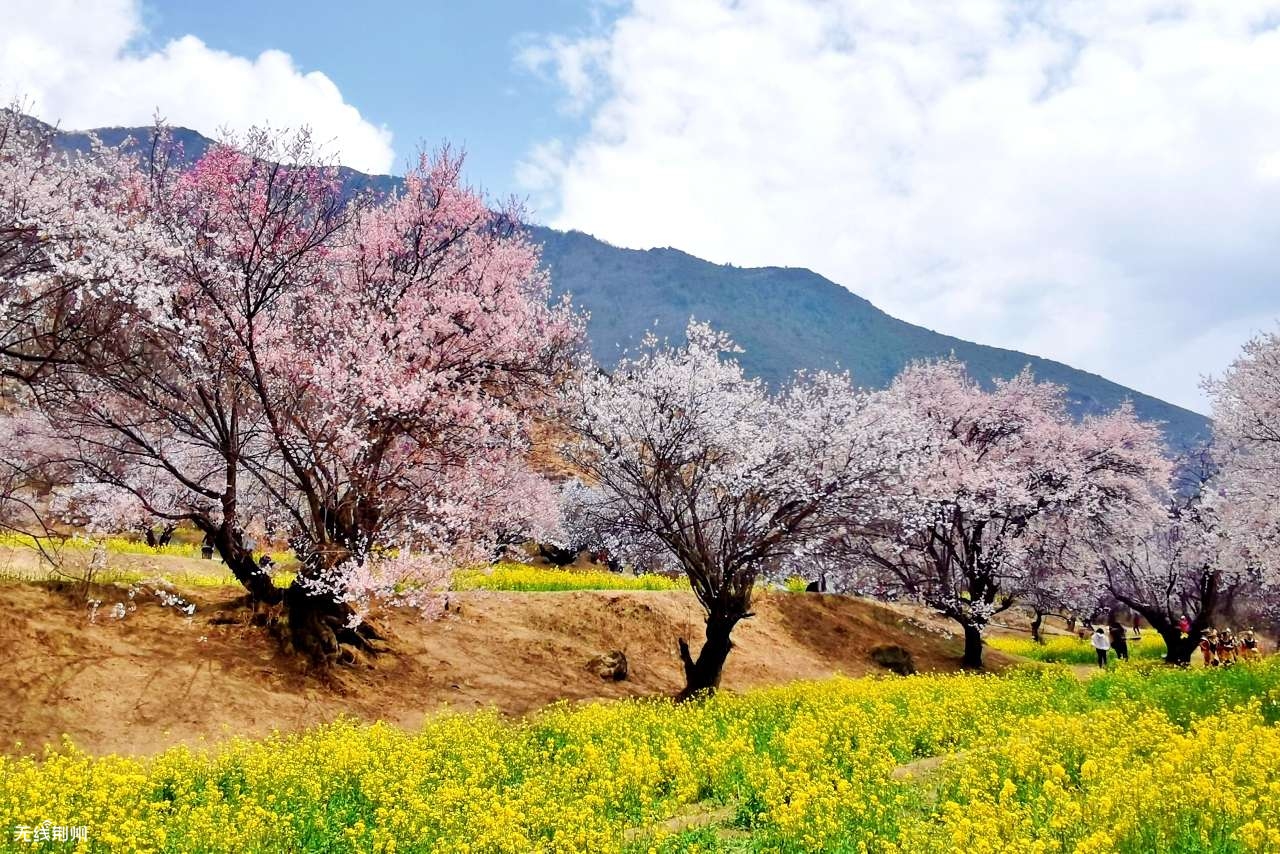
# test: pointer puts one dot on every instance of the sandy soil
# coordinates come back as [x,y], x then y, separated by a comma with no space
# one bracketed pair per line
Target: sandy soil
[158,678]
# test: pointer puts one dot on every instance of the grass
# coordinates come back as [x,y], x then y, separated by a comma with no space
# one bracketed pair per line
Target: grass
[506,576]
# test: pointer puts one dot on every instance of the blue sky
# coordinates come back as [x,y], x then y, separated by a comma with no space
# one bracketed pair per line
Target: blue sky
[1092,181]
[428,71]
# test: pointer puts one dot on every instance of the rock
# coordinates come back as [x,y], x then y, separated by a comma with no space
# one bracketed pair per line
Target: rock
[895,658]
[611,665]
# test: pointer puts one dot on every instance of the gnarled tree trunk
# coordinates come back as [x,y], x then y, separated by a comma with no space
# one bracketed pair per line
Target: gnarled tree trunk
[1178,650]
[324,629]
[310,618]
[703,675]
[239,560]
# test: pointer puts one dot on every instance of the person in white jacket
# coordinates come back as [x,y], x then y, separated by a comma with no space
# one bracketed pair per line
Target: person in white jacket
[1101,644]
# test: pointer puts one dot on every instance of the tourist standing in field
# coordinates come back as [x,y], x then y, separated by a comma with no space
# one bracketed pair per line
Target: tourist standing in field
[1119,641]
[1101,643]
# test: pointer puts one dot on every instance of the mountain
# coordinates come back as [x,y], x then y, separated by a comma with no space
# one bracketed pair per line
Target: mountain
[785,318]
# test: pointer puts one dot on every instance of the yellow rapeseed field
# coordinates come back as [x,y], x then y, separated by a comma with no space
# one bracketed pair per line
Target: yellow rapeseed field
[517,576]
[1067,649]
[1141,759]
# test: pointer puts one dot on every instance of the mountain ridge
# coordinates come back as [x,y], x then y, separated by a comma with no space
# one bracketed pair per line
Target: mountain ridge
[784,318]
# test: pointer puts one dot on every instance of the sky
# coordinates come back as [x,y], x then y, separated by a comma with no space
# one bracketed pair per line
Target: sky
[1094,182]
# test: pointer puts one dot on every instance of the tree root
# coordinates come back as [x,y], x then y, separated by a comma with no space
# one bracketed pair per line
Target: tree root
[319,630]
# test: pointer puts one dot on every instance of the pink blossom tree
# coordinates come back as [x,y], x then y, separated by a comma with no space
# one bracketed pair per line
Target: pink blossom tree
[359,373]
[995,470]
[697,467]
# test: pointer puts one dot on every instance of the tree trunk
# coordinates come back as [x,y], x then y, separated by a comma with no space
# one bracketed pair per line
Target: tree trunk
[703,676]
[972,646]
[324,629]
[254,578]
[1179,649]
[239,560]
[1036,624]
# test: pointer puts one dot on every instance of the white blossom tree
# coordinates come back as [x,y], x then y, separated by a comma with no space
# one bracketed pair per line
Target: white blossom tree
[1246,426]
[995,469]
[695,466]
[1179,561]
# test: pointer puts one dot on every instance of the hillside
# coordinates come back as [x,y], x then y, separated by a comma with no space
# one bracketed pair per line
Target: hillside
[156,678]
[785,318]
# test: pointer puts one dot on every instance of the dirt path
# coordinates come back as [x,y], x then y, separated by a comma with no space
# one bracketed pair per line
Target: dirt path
[157,678]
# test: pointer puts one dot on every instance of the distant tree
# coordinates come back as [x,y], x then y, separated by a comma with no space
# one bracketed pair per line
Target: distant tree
[695,466]
[28,473]
[995,471]
[1058,581]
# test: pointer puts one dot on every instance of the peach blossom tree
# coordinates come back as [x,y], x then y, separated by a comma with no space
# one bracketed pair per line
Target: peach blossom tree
[261,349]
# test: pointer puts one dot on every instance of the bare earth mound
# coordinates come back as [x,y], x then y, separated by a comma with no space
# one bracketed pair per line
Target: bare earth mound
[157,678]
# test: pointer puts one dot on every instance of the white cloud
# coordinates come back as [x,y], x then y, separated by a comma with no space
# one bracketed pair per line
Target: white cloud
[78,64]
[572,62]
[540,172]
[1082,179]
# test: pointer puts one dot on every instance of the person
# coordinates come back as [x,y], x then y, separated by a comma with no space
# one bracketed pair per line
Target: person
[1137,625]
[1071,622]
[1250,642]
[206,547]
[1101,644]
[1209,648]
[1226,647]
[1184,626]
[266,564]
[1119,642]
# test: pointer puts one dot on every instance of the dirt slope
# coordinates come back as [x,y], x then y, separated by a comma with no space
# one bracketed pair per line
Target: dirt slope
[157,678]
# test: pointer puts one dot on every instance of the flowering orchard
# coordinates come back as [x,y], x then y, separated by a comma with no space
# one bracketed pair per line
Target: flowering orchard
[244,344]
[964,498]
[1031,761]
